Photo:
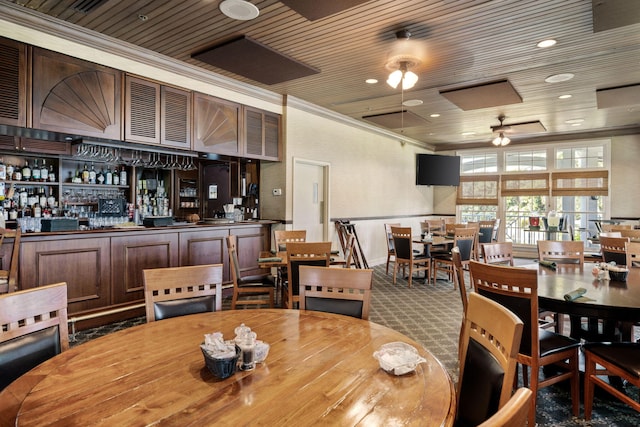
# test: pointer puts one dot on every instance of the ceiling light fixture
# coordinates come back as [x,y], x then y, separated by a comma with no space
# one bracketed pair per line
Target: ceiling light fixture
[501,140]
[401,62]
[241,10]
[546,43]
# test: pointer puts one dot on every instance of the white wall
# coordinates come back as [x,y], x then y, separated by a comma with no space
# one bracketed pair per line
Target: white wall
[625,176]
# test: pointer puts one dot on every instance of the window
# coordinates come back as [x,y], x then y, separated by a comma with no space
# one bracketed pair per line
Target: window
[525,161]
[479,163]
[580,157]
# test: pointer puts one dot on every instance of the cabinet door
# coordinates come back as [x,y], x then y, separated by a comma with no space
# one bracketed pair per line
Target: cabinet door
[13,83]
[216,125]
[142,111]
[272,136]
[205,247]
[175,117]
[75,96]
[134,253]
[261,134]
[47,147]
[85,265]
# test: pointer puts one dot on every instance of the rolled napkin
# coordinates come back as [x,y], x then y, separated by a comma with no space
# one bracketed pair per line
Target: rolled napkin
[270,259]
[575,294]
[549,264]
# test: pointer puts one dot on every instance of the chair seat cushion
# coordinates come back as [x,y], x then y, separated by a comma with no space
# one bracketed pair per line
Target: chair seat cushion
[334,305]
[182,307]
[625,355]
[258,280]
[551,343]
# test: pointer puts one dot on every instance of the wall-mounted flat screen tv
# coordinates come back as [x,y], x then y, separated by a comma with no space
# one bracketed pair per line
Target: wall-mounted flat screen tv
[432,169]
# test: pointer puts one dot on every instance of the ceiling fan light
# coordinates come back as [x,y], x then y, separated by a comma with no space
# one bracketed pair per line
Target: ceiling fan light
[394,78]
[409,80]
[501,140]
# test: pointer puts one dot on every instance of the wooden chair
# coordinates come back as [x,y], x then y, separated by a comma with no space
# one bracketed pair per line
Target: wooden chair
[611,234]
[632,249]
[498,253]
[616,227]
[561,251]
[490,340]
[432,225]
[514,413]
[465,240]
[391,251]
[405,257]
[517,289]
[254,290]
[496,229]
[612,249]
[631,234]
[450,227]
[336,290]
[9,278]
[178,291]
[302,253]
[458,269]
[485,234]
[282,237]
[620,359]
[33,328]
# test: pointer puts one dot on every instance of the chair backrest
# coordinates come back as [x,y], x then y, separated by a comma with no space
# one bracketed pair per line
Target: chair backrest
[611,234]
[514,413]
[336,290]
[498,253]
[282,237]
[178,291]
[450,227]
[305,253]
[234,262]
[616,227]
[490,340]
[431,225]
[33,328]
[402,241]
[631,234]
[485,234]
[387,232]
[515,288]
[466,239]
[632,250]
[561,251]
[11,275]
[458,270]
[496,229]
[612,249]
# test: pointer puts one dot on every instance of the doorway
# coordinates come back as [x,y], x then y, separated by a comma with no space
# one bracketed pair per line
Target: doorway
[310,199]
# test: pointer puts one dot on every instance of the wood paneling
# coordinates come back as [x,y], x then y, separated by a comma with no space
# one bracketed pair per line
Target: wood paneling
[205,247]
[216,125]
[13,83]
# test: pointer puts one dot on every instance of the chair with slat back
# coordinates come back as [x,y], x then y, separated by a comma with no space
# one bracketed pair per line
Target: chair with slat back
[9,278]
[514,413]
[298,254]
[612,249]
[611,234]
[406,258]
[632,250]
[517,289]
[485,234]
[248,290]
[465,240]
[491,336]
[633,235]
[616,227]
[33,328]
[179,291]
[281,238]
[391,251]
[432,225]
[336,290]
[561,251]
[498,253]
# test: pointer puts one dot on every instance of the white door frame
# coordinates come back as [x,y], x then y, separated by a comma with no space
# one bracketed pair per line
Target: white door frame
[326,172]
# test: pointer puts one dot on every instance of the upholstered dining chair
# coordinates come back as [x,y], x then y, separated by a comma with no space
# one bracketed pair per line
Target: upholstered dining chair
[485,234]
[9,277]
[619,359]
[561,251]
[612,249]
[406,258]
[517,289]
[336,290]
[391,251]
[33,328]
[497,253]
[302,253]
[254,290]
[514,413]
[632,250]
[178,291]
[465,240]
[490,340]
[281,238]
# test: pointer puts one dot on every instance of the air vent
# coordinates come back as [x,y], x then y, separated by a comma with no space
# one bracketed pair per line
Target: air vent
[87,6]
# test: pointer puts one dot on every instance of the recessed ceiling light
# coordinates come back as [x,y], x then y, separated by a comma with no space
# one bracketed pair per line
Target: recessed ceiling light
[371,81]
[566,96]
[546,43]
[557,78]
[143,17]
[574,121]
[434,115]
[412,102]
[241,10]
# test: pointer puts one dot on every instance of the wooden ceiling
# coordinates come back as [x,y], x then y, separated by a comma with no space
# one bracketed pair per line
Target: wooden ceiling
[464,43]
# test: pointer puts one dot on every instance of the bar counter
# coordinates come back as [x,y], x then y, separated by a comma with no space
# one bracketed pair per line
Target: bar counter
[103,268]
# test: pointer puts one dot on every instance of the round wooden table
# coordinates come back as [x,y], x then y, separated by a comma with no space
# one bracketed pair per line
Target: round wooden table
[320,370]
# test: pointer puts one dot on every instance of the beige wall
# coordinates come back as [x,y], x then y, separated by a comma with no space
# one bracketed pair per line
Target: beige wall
[625,176]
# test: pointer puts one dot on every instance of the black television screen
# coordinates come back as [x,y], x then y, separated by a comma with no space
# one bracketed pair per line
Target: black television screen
[433,169]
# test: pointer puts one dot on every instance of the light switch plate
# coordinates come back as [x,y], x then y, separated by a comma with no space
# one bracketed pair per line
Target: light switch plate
[277,191]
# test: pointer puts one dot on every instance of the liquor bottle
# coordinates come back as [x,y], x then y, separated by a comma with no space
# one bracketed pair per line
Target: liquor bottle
[37,211]
[52,174]
[44,171]
[23,196]
[35,172]
[92,175]
[85,174]
[100,177]
[10,170]
[123,176]
[17,173]
[108,177]
[3,170]
[51,200]
[26,171]
[42,197]
[115,176]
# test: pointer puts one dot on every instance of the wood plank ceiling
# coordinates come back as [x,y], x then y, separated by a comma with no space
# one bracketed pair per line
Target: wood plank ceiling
[464,43]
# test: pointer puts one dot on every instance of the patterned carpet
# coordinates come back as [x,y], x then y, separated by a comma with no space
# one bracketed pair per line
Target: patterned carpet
[431,315]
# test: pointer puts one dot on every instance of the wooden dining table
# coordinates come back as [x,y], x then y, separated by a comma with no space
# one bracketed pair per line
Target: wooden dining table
[613,302]
[320,370]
